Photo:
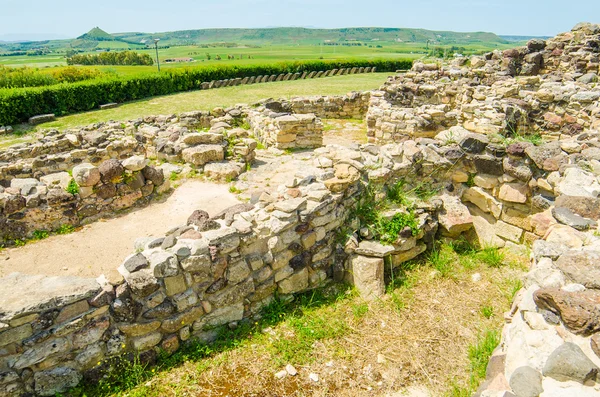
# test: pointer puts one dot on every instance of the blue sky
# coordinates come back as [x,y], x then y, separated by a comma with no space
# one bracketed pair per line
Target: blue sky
[70,18]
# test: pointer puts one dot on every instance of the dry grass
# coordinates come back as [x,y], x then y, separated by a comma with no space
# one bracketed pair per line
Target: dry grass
[344,131]
[418,334]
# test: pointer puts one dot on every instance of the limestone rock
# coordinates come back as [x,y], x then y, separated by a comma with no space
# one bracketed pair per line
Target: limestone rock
[202,154]
[539,154]
[513,192]
[367,276]
[568,362]
[110,170]
[567,217]
[587,207]
[582,267]
[56,380]
[43,293]
[526,382]
[455,217]
[135,163]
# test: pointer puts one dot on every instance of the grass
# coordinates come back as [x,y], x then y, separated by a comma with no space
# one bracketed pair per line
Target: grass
[479,355]
[65,229]
[491,256]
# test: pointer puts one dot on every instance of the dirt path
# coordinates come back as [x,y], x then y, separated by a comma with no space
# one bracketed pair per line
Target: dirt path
[100,248]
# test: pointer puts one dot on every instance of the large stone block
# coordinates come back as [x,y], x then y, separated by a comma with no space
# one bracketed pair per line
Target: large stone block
[295,283]
[57,380]
[367,275]
[202,154]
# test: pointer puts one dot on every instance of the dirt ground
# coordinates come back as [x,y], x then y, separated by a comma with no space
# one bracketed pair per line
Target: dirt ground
[99,248]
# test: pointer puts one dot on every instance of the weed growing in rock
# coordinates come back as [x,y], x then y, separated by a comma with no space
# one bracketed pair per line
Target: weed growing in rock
[389,230]
[40,234]
[234,190]
[471,180]
[72,187]
[173,176]
[396,193]
[65,229]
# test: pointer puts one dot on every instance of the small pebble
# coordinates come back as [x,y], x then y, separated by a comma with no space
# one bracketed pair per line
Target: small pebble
[291,370]
[476,278]
[314,377]
[281,374]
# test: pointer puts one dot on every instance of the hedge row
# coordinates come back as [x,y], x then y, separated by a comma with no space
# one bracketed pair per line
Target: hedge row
[19,104]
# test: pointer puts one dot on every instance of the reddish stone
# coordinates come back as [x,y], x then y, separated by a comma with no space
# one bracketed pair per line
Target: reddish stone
[191,235]
[580,311]
[295,193]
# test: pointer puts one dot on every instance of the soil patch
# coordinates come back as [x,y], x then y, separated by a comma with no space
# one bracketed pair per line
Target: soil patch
[99,248]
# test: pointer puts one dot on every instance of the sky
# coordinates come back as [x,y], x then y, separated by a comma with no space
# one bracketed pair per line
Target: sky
[71,18]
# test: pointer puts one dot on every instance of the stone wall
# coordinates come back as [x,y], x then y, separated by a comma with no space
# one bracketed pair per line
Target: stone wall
[286,131]
[34,177]
[221,270]
[53,201]
[198,276]
[350,106]
[552,96]
[284,77]
[550,343]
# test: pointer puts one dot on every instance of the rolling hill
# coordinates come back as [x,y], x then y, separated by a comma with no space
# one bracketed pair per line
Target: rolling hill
[312,36]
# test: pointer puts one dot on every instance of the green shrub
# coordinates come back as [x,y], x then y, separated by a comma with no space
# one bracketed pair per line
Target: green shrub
[19,104]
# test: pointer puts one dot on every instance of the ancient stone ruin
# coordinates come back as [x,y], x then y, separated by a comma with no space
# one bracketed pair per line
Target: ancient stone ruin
[507,142]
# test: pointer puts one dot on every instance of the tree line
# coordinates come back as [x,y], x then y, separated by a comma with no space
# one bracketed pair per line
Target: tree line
[111,58]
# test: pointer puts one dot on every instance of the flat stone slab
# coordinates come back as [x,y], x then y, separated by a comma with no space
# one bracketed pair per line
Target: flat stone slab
[42,118]
[21,294]
[109,106]
[374,249]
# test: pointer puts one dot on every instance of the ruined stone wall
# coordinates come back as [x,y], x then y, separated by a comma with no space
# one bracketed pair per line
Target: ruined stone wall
[52,202]
[222,270]
[35,177]
[284,77]
[350,106]
[552,92]
[286,131]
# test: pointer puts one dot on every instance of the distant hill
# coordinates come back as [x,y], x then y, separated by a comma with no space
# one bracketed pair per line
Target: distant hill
[98,39]
[96,34]
[312,36]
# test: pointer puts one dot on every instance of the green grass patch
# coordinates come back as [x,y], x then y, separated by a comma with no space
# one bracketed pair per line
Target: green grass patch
[310,317]
[479,356]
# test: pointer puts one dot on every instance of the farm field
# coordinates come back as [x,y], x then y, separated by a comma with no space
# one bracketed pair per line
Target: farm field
[248,55]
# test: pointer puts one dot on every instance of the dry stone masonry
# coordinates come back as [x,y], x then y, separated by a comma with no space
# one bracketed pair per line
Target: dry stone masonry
[75,177]
[459,132]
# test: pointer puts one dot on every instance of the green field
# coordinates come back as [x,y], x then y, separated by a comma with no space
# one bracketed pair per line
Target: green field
[248,55]
[251,46]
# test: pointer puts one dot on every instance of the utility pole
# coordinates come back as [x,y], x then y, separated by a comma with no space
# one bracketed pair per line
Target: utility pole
[156,47]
